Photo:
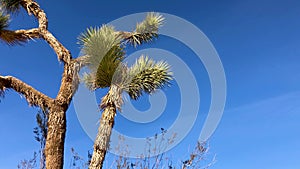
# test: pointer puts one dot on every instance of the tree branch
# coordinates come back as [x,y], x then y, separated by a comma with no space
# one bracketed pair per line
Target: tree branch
[32,7]
[54,149]
[70,80]
[69,83]
[19,36]
[30,33]
[33,97]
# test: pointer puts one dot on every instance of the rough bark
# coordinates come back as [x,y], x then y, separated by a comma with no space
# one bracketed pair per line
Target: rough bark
[69,83]
[103,137]
[102,140]
[34,97]
[54,149]
[33,7]
[18,36]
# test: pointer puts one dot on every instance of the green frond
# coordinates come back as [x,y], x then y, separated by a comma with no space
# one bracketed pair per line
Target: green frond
[151,24]
[104,55]
[147,30]
[11,6]
[96,42]
[147,76]
[7,36]
[108,67]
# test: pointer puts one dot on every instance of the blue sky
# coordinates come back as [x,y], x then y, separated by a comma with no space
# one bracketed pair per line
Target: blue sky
[258,44]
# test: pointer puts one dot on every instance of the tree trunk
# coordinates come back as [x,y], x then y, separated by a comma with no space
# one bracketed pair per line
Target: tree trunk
[54,150]
[103,137]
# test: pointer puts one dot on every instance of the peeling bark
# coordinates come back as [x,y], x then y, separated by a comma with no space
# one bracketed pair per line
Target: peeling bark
[18,36]
[54,149]
[32,7]
[103,137]
[101,144]
[33,97]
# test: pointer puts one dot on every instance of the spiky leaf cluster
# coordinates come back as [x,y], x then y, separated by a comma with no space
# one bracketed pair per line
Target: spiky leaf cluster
[146,76]
[7,36]
[11,6]
[147,30]
[104,55]
[4,20]
[96,42]
[108,67]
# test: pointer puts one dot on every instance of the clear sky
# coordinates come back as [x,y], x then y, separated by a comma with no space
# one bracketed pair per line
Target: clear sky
[258,42]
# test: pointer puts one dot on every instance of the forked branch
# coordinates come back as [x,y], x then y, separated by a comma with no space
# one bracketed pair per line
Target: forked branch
[32,7]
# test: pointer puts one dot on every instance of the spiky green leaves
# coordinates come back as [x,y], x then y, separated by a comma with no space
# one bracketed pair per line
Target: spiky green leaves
[11,6]
[147,30]
[147,76]
[7,36]
[151,24]
[104,55]
[108,67]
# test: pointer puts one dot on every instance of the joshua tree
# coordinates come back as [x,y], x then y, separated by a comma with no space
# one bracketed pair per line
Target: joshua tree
[104,52]
[57,107]
[100,76]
